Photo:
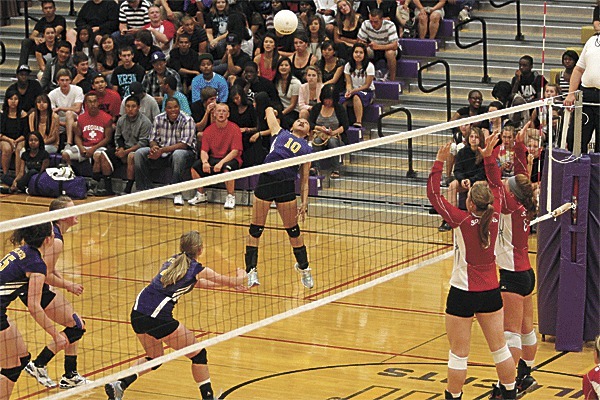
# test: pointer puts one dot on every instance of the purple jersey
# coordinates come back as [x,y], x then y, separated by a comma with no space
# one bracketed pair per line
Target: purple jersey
[283,146]
[13,272]
[57,233]
[158,301]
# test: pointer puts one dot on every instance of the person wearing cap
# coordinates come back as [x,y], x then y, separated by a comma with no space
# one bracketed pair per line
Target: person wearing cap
[209,78]
[62,60]
[27,89]
[133,15]
[84,78]
[154,78]
[234,59]
[144,49]
[126,73]
[148,105]
[66,101]
[109,100]
[169,88]
[162,31]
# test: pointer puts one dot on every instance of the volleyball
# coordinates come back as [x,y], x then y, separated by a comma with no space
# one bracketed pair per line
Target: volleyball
[285,22]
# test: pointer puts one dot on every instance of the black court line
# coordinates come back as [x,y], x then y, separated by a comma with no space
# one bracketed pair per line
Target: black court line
[551,359]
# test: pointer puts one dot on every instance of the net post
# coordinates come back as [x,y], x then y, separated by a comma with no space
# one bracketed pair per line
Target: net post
[577,123]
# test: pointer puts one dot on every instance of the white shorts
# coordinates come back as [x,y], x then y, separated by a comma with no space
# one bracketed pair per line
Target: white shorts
[75,155]
[440,11]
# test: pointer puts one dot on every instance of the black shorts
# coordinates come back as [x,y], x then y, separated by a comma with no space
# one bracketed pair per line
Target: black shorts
[230,165]
[466,304]
[157,328]
[270,188]
[522,282]
[47,296]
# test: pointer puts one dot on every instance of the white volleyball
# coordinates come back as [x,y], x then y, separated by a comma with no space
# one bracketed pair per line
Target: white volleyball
[285,22]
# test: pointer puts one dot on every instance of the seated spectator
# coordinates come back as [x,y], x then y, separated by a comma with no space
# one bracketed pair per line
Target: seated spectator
[85,43]
[237,24]
[327,9]
[506,154]
[34,160]
[169,88]
[268,57]
[109,101]
[348,24]
[93,135]
[132,133]
[388,8]
[66,101]
[301,58]
[329,122]
[221,152]
[569,59]
[332,67]
[148,105]
[37,36]
[162,31]
[153,79]
[198,36]
[46,50]
[107,56]
[496,124]
[13,130]
[126,73]
[243,114]
[185,60]
[100,15]
[209,78]
[133,15]
[234,59]
[316,35]
[216,27]
[46,122]
[359,73]
[256,84]
[474,108]
[144,49]
[202,110]
[502,92]
[306,10]
[172,10]
[288,87]
[172,143]
[429,13]
[62,60]
[310,91]
[84,76]
[526,82]
[381,38]
[27,89]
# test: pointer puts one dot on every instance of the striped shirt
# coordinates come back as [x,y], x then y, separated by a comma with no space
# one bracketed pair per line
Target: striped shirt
[167,133]
[151,82]
[135,18]
[384,35]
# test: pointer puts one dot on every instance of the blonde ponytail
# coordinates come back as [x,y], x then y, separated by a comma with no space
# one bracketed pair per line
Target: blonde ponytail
[189,244]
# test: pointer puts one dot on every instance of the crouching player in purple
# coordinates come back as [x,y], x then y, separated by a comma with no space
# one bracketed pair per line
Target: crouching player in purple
[152,314]
[279,186]
[22,268]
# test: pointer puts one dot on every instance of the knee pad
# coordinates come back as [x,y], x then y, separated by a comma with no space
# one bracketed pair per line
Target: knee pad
[456,362]
[294,231]
[512,339]
[529,339]
[12,374]
[156,366]
[200,358]
[501,354]
[256,230]
[74,333]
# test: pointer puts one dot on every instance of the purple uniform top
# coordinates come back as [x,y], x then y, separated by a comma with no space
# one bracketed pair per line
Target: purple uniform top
[57,233]
[13,273]
[158,301]
[283,146]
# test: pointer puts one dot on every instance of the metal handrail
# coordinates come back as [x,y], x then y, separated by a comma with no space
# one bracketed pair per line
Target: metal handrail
[486,78]
[27,17]
[411,172]
[441,85]
[2,52]
[519,35]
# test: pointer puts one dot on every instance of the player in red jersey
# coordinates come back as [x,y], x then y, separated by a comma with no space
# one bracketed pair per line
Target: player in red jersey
[591,380]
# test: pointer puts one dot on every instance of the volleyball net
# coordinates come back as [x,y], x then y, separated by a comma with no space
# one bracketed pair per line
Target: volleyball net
[370,226]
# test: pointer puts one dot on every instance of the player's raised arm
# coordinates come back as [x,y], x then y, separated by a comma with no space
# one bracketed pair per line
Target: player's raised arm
[271,116]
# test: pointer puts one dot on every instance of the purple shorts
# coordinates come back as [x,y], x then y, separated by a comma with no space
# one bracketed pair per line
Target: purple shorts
[366,97]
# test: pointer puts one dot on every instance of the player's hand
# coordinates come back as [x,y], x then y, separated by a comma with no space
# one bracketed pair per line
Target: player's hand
[520,138]
[490,143]
[443,152]
[301,215]
[75,288]
[465,183]
[61,341]
[240,280]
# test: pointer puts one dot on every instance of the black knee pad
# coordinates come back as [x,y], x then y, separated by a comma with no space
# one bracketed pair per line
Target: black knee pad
[156,366]
[256,230]
[200,358]
[12,374]
[294,231]
[74,334]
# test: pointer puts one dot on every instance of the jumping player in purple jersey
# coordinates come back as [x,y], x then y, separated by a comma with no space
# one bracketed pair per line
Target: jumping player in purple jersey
[23,268]
[279,186]
[152,314]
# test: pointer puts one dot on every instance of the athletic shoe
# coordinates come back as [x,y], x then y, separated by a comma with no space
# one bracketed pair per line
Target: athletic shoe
[114,391]
[178,200]
[444,227]
[74,381]
[526,385]
[306,278]
[229,202]
[253,278]
[41,374]
[448,395]
[496,392]
[197,199]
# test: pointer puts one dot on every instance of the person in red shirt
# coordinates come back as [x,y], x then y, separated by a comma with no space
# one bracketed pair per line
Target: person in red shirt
[221,152]
[109,100]
[92,136]
[591,380]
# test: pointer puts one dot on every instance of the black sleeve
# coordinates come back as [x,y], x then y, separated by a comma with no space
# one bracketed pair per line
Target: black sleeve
[596,14]
[112,22]
[459,165]
[40,25]
[342,116]
[61,21]
[82,16]
[314,114]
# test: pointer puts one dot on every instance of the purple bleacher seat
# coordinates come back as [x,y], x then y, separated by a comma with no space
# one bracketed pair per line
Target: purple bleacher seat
[388,90]
[419,47]
[315,183]
[372,112]
[446,28]
[354,134]
[408,68]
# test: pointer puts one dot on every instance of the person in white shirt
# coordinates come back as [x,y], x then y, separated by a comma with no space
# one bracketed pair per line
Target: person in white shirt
[66,101]
[359,73]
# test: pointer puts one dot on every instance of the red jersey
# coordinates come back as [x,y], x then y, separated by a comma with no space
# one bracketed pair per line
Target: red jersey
[92,128]
[110,103]
[474,267]
[512,245]
[591,384]
[218,142]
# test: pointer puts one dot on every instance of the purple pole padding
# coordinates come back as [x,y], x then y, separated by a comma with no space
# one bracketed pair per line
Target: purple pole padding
[591,326]
[572,279]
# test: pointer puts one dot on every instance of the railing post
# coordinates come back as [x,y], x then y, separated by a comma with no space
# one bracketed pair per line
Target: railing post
[519,36]
[26,14]
[441,85]
[411,171]
[2,52]
[72,12]
[483,41]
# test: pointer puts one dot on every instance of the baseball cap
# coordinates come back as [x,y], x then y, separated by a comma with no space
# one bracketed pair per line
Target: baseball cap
[233,39]
[23,68]
[206,56]
[157,56]
[136,88]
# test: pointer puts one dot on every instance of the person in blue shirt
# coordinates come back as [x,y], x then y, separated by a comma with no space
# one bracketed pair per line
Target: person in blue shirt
[209,78]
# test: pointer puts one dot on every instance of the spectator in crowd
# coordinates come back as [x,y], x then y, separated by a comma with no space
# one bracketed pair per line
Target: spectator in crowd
[132,133]
[216,27]
[107,56]
[243,114]
[475,107]
[327,9]
[45,121]
[148,105]
[310,91]
[34,160]
[153,79]
[526,82]
[359,74]
[301,58]
[257,84]
[316,35]
[387,7]
[144,49]
[569,60]
[306,10]
[209,78]
[126,73]
[162,31]
[185,60]
[100,15]
[172,142]
[234,59]
[348,24]
[198,36]
[429,14]
[84,76]
[85,43]
[268,57]
[502,92]
[93,135]
[46,51]
[66,101]
[494,125]
[37,36]
[109,101]
[61,61]
[237,25]
[173,10]
[27,89]
[506,153]
[133,15]
[381,37]
[221,151]
[288,87]
[331,67]
[202,110]
[13,130]
[169,88]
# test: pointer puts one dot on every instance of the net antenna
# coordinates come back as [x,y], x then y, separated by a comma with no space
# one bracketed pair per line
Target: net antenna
[555,213]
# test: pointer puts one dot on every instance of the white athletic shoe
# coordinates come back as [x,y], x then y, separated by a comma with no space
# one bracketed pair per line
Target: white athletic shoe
[41,374]
[197,199]
[114,391]
[74,381]
[253,278]
[178,200]
[229,202]
[306,276]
